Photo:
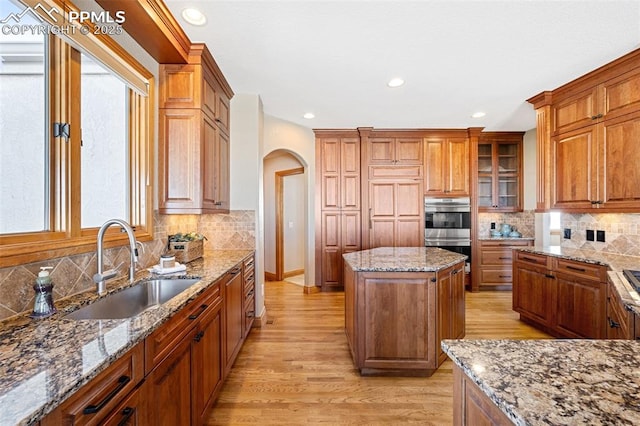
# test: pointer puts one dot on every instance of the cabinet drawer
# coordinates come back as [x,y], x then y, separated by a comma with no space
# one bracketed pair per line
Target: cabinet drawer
[505,243]
[382,172]
[583,270]
[496,257]
[97,399]
[162,341]
[496,276]
[531,258]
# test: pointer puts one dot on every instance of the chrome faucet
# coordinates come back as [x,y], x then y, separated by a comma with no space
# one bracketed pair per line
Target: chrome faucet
[101,277]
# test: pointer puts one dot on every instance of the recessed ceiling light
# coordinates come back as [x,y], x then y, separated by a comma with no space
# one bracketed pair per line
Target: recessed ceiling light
[395,82]
[309,115]
[478,114]
[194,16]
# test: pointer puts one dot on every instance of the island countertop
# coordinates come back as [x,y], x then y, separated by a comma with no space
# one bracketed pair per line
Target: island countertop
[560,382]
[43,362]
[402,259]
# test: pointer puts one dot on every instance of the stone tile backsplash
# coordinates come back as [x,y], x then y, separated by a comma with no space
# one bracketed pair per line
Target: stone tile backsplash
[73,274]
[622,232]
[523,222]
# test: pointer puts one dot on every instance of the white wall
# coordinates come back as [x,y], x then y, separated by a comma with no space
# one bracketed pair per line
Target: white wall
[529,172]
[299,140]
[274,162]
[246,153]
[294,222]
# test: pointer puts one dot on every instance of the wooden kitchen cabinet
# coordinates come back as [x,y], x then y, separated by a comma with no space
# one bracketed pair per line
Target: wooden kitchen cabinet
[396,213]
[234,316]
[586,148]
[446,165]
[566,298]
[451,308]
[496,263]
[395,321]
[193,157]
[472,407]
[338,215]
[620,323]
[499,178]
[249,280]
[104,398]
[184,362]
[395,150]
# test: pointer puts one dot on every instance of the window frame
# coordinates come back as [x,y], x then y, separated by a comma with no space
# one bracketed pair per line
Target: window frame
[65,236]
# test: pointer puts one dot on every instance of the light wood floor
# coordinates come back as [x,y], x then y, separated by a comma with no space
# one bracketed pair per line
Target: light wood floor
[298,370]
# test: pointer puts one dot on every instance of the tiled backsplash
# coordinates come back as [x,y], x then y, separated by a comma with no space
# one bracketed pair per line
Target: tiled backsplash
[73,274]
[523,222]
[622,232]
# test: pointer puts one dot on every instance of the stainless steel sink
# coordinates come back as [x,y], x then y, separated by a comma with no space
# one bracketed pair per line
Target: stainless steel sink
[133,300]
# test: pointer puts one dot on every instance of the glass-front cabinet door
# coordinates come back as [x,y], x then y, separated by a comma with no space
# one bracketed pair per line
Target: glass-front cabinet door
[500,171]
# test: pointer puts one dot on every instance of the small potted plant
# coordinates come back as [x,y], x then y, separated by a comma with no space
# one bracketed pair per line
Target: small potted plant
[186,247]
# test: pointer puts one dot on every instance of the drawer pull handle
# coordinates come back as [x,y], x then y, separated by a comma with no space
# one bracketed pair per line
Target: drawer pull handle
[550,276]
[199,336]
[573,268]
[234,271]
[530,259]
[250,293]
[92,409]
[504,258]
[194,316]
[250,314]
[613,324]
[504,276]
[127,413]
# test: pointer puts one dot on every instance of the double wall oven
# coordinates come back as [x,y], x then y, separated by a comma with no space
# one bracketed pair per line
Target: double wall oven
[448,225]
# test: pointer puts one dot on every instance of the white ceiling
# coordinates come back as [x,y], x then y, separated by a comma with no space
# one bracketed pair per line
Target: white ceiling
[333,58]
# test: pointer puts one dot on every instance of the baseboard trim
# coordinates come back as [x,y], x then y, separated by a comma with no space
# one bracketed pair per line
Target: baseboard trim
[311,289]
[260,321]
[293,273]
[268,276]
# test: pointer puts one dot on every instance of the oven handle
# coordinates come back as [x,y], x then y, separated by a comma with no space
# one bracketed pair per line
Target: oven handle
[449,242]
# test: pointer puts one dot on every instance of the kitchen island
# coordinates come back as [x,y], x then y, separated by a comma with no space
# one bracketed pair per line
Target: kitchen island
[400,302]
[545,382]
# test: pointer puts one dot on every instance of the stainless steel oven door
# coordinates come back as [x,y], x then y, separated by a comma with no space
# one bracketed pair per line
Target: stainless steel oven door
[437,205]
[447,234]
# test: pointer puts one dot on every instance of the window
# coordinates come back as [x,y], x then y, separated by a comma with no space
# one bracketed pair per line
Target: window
[74,142]
[23,150]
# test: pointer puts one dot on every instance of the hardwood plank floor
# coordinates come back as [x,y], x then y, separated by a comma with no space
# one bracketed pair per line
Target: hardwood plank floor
[298,369]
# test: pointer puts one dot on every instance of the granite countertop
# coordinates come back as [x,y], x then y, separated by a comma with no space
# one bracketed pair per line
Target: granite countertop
[555,382]
[615,262]
[402,259]
[43,362]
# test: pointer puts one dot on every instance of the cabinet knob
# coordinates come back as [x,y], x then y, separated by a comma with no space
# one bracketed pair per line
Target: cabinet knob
[613,324]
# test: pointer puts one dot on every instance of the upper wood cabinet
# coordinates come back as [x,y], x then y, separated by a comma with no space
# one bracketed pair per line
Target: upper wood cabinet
[446,166]
[193,158]
[395,150]
[499,178]
[587,140]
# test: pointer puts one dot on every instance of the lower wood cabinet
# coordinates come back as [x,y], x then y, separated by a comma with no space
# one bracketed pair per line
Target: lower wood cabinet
[496,263]
[234,308]
[105,398]
[395,321]
[472,407]
[565,298]
[451,309]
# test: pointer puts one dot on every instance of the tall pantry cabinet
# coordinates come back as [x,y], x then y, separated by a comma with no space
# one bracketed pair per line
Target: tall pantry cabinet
[337,203]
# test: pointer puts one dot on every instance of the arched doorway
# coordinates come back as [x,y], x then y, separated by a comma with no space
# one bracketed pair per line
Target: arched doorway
[285,216]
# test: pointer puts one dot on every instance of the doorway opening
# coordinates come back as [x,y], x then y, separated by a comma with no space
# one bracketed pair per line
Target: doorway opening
[285,219]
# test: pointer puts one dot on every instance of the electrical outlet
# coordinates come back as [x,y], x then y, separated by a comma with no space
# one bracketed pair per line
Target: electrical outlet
[590,235]
[567,233]
[600,236]
[493,225]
